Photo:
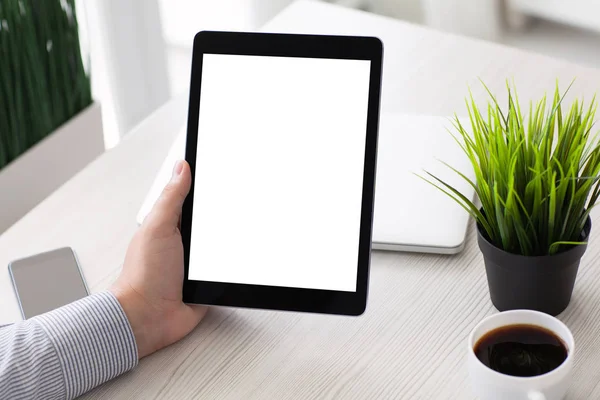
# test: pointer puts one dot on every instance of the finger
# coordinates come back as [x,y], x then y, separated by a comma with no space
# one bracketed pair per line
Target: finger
[167,209]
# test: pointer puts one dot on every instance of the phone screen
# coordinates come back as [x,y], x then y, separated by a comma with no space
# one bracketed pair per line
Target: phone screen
[47,281]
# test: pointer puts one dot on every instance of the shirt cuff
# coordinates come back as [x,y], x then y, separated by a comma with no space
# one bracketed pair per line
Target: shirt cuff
[93,340]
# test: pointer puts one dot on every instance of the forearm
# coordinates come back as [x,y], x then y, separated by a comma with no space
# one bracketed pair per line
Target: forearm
[64,353]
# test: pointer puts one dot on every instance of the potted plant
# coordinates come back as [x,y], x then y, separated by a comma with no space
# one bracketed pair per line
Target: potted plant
[537,178]
[49,126]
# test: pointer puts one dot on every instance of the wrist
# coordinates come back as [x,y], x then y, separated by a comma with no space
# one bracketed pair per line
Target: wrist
[140,320]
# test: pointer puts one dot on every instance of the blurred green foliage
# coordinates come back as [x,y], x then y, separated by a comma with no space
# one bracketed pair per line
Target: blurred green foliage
[43,82]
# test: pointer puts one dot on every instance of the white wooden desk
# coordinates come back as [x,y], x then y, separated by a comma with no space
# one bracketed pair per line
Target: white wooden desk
[410,343]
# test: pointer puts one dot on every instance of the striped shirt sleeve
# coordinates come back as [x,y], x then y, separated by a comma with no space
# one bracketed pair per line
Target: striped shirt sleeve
[66,352]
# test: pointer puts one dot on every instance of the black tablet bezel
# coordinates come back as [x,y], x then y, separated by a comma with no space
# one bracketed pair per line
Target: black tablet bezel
[286,45]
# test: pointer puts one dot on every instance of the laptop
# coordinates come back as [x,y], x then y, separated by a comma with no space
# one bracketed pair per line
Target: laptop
[410,214]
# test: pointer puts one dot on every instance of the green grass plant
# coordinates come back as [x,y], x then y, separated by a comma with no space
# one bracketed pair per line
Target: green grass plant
[43,82]
[536,171]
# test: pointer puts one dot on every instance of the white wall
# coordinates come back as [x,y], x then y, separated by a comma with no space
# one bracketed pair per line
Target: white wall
[129,68]
[579,13]
[409,10]
[181,19]
[477,18]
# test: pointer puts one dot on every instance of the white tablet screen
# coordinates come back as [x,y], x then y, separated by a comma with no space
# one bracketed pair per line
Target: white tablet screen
[279,171]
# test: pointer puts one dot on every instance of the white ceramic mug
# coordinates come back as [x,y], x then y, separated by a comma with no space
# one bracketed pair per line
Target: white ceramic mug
[492,385]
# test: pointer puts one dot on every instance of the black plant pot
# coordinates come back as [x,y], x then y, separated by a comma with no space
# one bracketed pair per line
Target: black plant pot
[543,283]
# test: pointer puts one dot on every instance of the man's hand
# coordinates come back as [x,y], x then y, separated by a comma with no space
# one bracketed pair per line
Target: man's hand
[149,287]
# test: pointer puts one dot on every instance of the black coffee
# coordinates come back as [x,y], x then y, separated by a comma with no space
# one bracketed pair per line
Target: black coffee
[521,350]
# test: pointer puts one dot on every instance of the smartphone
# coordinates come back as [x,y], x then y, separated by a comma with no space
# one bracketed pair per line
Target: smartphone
[47,281]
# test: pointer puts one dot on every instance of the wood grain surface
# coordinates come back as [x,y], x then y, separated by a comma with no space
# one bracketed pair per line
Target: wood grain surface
[411,342]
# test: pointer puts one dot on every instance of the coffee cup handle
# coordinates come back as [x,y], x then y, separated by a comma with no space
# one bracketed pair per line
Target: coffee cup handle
[535,395]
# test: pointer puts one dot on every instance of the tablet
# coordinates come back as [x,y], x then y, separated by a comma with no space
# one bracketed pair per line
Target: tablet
[281,140]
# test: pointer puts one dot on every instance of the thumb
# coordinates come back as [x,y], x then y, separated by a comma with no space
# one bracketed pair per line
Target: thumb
[167,210]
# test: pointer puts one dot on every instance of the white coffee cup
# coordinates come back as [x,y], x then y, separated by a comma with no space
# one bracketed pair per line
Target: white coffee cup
[492,385]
